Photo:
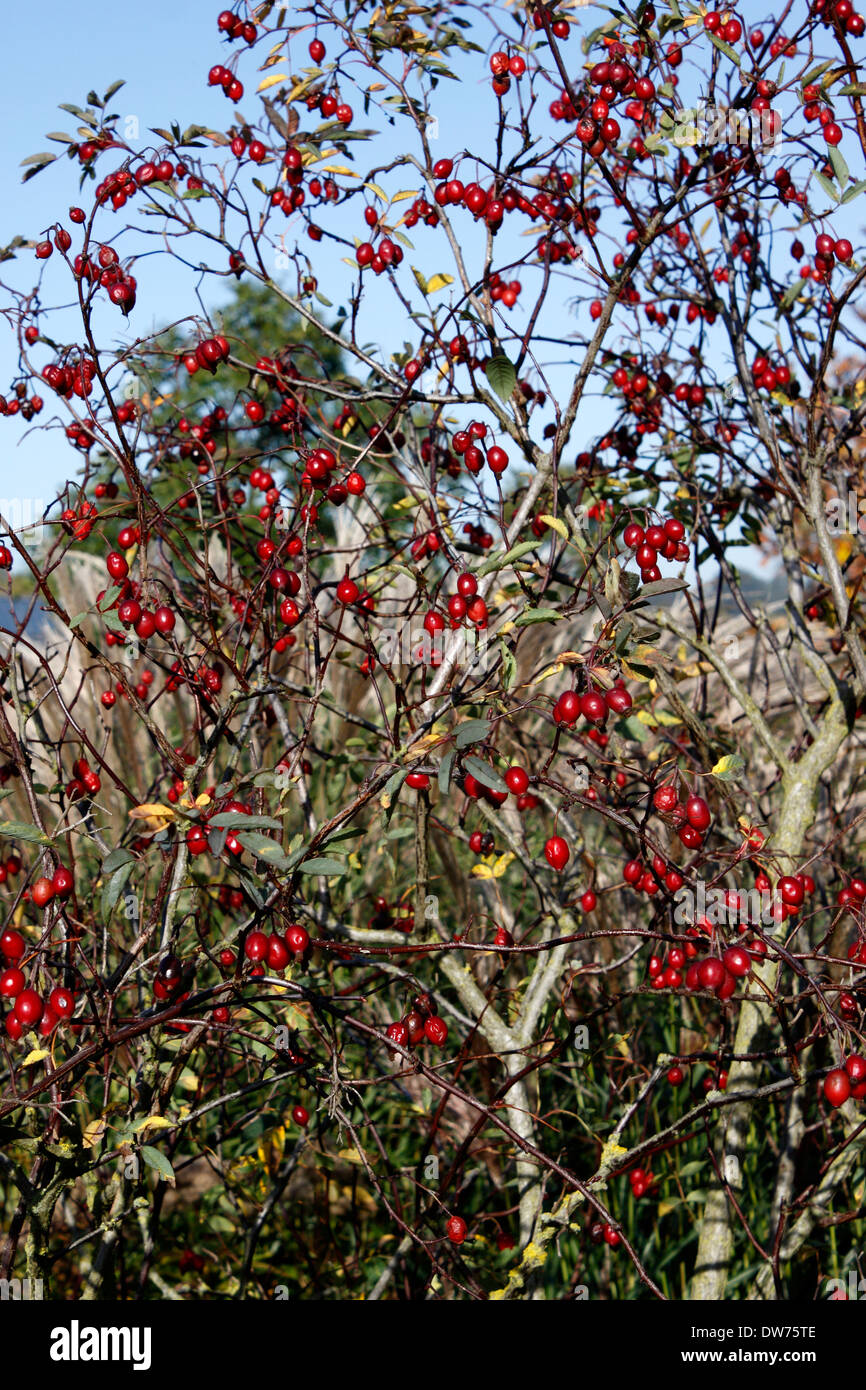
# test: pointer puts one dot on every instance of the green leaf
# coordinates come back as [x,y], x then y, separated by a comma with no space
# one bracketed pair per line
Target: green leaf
[115,87]
[662,586]
[114,860]
[537,615]
[498,562]
[445,768]
[854,191]
[632,728]
[113,888]
[228,820]
[793,292]
[827,187]
[501,374]
[264,848]
[837,159]
[322,866]
[19,830]
[730,768]
[726,49]
[473,731]
[485,774]
[158,1161]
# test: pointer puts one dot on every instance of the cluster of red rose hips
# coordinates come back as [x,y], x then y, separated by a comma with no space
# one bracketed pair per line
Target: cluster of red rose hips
[380,259]
[592,705]
[275,952]
[29,1009]
[129,610]
[421,1023]
[142,689]
[846,1081]
[769,377]
[477,535]
[641,1180]
[208,355]
[18,402]
[467,445]
[236,28]
[85,782]
[72,378]
[665,542]
[502,292]
[724,26]
[841,15]
[220,76]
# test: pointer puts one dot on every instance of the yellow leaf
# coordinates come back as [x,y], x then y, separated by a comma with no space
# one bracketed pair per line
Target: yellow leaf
[272,81]
[379,192]
[843,548]
[354,861]
[93,1133]
[482,871]
[659,716]
[556,524]
[439,282]
[37,1055]
[666,1205]
[725,764]
[340,169]
[154,813]
[350,1155]
[298,88]
[502,864]
[404,194]
[403,503]
[152,1122]
[554,670]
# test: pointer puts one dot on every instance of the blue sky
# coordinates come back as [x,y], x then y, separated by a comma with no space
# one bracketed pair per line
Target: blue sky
[164,54]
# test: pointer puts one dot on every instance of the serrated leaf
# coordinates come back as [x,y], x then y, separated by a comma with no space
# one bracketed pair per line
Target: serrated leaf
[158,1161]
[502,375]
[19,830]
[730,768]
[484,773]
[473,731]
[322,866]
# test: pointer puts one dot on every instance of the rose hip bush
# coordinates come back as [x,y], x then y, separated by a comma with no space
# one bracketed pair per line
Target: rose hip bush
[431,867]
